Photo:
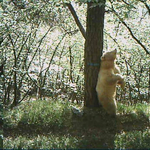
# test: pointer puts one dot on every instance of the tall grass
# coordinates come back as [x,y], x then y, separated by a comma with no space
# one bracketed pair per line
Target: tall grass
[41,141]
[133,140]
[38,113]
[50,124]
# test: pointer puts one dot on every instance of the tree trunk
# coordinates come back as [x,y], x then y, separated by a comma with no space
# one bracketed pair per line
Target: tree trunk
[93,51]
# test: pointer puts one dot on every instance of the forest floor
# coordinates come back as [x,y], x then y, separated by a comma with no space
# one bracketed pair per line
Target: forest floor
[38,125]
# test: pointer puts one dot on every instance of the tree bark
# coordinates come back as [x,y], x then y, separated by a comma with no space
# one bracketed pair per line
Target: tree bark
[93,51]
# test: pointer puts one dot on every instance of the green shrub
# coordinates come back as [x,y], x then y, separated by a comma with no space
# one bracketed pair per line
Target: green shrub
[40,141]
[133,140]
[38,114]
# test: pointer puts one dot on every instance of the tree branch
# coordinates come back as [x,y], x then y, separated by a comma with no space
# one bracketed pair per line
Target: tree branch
[70,7]
[131,33]
[127,3]
[115,41]
[146,5]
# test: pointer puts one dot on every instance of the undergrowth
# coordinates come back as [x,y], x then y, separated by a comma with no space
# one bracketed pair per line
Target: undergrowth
[42,124]
[38,113]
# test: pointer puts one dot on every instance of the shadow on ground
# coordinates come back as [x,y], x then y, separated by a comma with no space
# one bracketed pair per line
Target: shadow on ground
[94,129]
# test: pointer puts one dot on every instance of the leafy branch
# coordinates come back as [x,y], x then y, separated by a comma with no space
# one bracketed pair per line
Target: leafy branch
[130,31]
[115,41]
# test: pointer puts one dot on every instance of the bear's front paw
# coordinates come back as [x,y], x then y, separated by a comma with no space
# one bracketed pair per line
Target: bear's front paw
[123,84]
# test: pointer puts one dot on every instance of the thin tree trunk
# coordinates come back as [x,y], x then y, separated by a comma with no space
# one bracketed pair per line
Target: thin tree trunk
[93,51]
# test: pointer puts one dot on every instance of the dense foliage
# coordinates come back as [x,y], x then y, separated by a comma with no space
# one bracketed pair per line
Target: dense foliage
[42,49]
[39,56]
[42,68]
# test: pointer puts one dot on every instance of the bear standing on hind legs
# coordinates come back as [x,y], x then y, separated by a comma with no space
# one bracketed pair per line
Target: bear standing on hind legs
[108,79]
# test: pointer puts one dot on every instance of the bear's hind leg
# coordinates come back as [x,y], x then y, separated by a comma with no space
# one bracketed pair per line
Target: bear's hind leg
[111,108]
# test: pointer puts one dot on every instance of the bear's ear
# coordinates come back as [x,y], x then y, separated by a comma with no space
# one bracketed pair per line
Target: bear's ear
[103,58]
[115,51]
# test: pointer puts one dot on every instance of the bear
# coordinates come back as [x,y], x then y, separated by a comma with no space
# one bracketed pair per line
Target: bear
[108,78]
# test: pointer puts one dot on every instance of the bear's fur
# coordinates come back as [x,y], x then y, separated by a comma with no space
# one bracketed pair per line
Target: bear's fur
[108,79]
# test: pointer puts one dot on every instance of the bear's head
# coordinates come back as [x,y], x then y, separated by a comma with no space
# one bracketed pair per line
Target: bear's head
[108,59]
[109,56]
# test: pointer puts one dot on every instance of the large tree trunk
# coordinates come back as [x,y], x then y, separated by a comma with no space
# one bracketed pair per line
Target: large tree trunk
[93,51]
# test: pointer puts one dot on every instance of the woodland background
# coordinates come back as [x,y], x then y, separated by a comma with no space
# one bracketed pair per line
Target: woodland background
[42,70]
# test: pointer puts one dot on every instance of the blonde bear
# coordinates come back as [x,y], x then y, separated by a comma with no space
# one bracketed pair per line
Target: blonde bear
[108,79]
